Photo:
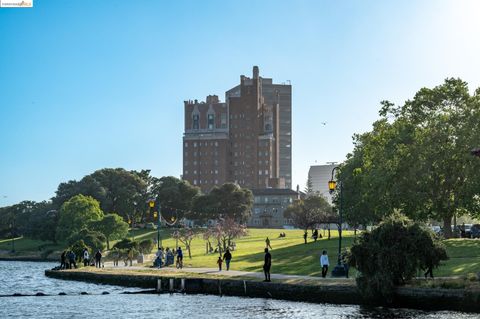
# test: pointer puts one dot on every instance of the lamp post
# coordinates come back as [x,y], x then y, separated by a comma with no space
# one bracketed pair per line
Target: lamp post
[158,217]
[339,270]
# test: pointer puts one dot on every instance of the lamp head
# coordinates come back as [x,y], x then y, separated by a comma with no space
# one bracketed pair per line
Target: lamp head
[332,185]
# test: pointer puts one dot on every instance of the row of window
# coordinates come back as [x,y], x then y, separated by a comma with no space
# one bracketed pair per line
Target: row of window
[195,163]
[210,121]
[265,199]
[260,172]
[199,182]
[195,144]
[205,172]
[204,153]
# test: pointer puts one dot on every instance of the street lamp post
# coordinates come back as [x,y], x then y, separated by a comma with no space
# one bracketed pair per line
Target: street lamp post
[339,270]
[156,214]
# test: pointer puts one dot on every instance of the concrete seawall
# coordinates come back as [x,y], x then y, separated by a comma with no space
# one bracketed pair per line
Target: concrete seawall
[417,298]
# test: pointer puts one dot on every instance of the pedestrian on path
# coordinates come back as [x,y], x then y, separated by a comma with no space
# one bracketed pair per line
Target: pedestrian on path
[324,263]
[86,257]
[267,242]
[219,262]
[98,259]
[227,257]
[267,265]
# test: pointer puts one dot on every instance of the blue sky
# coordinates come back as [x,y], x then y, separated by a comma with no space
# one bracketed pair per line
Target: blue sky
[92,84]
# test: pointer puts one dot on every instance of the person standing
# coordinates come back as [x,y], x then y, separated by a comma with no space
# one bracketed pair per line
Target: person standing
[63,259]
[71,259]
[267,243]
[98,259]
[324,263]
[267,265]
[315,235]
[305,235]
[227,257]
[86,257]
[219,262]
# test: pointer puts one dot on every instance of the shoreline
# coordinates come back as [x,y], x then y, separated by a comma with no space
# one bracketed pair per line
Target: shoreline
[406,297]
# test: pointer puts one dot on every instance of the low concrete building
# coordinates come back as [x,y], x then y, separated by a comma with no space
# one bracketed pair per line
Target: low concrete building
[268,207]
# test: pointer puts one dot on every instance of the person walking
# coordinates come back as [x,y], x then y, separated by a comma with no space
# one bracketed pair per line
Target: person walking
[227,257]
[179,257]
[305,235]
[315,235]
[86,257]
[159,260]
[98,259]
[63,260]
[219,262]
[267,242]
[267,265]
[324,263]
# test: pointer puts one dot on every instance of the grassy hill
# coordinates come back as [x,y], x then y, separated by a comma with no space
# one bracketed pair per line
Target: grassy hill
[290,255]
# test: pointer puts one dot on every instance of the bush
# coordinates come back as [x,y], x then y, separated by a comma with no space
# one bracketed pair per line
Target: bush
[145,246]
[93,240]
[391,254]
[126,244]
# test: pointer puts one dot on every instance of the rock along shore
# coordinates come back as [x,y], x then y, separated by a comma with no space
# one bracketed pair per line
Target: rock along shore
[417,298]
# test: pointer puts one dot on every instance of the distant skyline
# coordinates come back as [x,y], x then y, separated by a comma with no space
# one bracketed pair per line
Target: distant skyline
[91,84]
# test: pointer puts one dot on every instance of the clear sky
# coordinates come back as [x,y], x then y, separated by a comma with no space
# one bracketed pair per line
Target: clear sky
[91,84]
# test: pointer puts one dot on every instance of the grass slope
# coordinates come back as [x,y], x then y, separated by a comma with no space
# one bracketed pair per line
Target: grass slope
[290,255]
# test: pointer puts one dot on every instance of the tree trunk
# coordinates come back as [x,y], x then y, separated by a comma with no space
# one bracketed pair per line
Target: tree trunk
[189,252]
[447,227]
[329,231]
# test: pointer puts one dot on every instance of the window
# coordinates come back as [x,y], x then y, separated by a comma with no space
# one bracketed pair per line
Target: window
[194,182]
[223,120]
[196,120]
[194,144]
[266,172]
[186,144]
[186,172]
[216,143]
[211,121]
[260,172]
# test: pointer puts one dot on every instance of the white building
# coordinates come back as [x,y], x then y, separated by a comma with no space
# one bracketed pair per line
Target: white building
[320,175]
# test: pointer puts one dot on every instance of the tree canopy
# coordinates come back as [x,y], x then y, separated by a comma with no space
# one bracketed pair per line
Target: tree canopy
[111,226]
[77,213]
[417,159]
[309,212]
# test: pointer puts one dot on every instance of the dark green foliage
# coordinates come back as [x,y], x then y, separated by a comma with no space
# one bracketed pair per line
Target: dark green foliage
[78,247]
[145,246]
[417,158]
[93,239]
[77,213]
[126,244]
[112,226]
[226,201]
[392,254]
[309,212]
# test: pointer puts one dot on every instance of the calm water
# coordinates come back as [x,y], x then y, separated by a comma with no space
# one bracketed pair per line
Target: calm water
[28,278]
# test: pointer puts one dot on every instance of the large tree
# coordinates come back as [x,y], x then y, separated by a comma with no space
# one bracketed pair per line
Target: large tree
[77,213]
[175,196]
[111,226]
[309,212]
[226,201]
[417,158]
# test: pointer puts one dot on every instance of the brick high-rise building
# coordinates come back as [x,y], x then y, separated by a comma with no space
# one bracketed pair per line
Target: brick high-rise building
[246,140]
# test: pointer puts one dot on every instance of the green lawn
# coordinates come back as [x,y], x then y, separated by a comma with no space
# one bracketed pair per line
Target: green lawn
[290,255]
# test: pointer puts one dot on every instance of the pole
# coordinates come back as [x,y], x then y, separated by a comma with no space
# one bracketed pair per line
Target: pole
[340,227]
[159,224]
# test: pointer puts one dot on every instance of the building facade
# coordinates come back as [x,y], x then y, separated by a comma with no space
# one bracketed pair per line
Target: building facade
[245,140]
[319,176]
[269,206]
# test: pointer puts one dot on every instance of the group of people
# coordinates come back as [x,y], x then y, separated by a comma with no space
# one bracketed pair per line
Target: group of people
[68,259]
[315,235]
[166,258]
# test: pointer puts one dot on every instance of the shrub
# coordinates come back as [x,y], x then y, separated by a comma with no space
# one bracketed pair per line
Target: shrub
[126,244]
[93,240]
[391,254]
[145,246]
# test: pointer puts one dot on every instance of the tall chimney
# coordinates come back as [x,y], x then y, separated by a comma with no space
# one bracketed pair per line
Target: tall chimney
[255,72]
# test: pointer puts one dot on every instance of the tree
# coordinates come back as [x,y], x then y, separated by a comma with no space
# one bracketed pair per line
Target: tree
[309,212]
[309,186]
[224,231]
[417,158]
[391,254]
[226,201]
[185,236]
[93,239]
[175,195]
[77,213]
[112,226]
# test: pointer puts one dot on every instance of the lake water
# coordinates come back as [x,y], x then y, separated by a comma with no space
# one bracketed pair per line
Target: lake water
[28,278]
